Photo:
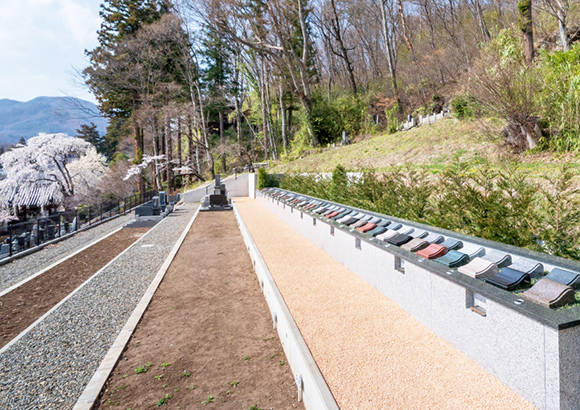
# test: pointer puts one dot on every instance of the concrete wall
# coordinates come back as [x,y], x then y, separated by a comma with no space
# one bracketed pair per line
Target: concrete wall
[539,362]
[236,185]
[252,185]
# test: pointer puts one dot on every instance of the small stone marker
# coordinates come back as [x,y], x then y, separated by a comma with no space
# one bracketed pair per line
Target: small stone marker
[508,279]
[366,228]
[565,277]
[434,238]
[415,245]
[358,224]
[479,268]
[472,250]
[550,294]
[453,259]
[432,251]
[452,244]
[419,234]
[501,259]
[377,231]
[399,239]
[533,268]
[385,236]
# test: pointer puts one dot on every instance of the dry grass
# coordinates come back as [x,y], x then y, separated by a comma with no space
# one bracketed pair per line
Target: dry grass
[434,146]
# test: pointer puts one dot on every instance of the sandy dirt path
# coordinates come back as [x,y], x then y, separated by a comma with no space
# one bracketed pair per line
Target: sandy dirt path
[209,324]
[372,353]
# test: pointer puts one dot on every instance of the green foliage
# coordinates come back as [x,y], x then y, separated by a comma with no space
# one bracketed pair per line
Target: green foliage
[339,184]
[119,157]
[524,7]
[560,98]
[420,111]
[561,209]
[90,134]
[462,107]
[345,112]
[501,204]
[391,115]
[266,180]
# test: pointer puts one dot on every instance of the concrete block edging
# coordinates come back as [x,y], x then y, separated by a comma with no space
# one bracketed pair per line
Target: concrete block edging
[310,383]
[91,392]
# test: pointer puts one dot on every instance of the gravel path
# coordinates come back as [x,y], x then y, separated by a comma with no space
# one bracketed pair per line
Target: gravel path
[370,351]
[22,268]
[50,366]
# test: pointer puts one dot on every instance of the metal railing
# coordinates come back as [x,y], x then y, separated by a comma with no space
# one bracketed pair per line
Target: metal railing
[21,236]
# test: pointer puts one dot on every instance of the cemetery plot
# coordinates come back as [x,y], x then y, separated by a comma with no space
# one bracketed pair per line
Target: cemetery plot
[25,304]
[206,339]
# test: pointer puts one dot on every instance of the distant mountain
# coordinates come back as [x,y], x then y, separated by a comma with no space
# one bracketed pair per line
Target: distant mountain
[46,114]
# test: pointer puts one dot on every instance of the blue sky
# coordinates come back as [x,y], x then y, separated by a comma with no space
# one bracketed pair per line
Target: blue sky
[40,43]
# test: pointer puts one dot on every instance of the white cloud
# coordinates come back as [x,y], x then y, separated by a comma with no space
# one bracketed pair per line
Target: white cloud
[81,21]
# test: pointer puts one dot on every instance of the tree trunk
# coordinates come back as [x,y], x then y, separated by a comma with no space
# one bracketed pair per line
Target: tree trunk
[156,152]
[222,142]
[404,30]
[390,59]
[523,134]
[343,51]
[168,153]
[190,150]
[563,33]
[283,118]
[482,24]
[306,96]
[525,12]
[179,148]
[163,150]
[264,113]
[238,105]
[138,137]
[238,124]
[204,131]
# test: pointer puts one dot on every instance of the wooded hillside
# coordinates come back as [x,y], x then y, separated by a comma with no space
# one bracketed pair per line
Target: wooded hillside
[203,86]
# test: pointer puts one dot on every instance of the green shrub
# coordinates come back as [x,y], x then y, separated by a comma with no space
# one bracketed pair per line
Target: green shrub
[462,107]
[266,180]
[500,204]
[560,98]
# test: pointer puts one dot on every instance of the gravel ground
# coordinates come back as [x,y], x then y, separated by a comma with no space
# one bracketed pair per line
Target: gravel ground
[371,352]
[22,268]
[51,365]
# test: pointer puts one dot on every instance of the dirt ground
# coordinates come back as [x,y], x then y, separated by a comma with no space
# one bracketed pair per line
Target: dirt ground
[25,304]
[206,340]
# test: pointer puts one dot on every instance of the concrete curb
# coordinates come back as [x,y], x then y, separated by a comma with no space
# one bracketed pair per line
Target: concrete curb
[312,387]
[95,385]
[17,285]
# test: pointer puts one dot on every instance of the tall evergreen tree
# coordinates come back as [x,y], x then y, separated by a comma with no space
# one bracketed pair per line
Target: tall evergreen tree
[108,74]
[90,134]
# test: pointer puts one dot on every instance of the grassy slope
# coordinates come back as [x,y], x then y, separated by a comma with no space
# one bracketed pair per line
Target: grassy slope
[432,145]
